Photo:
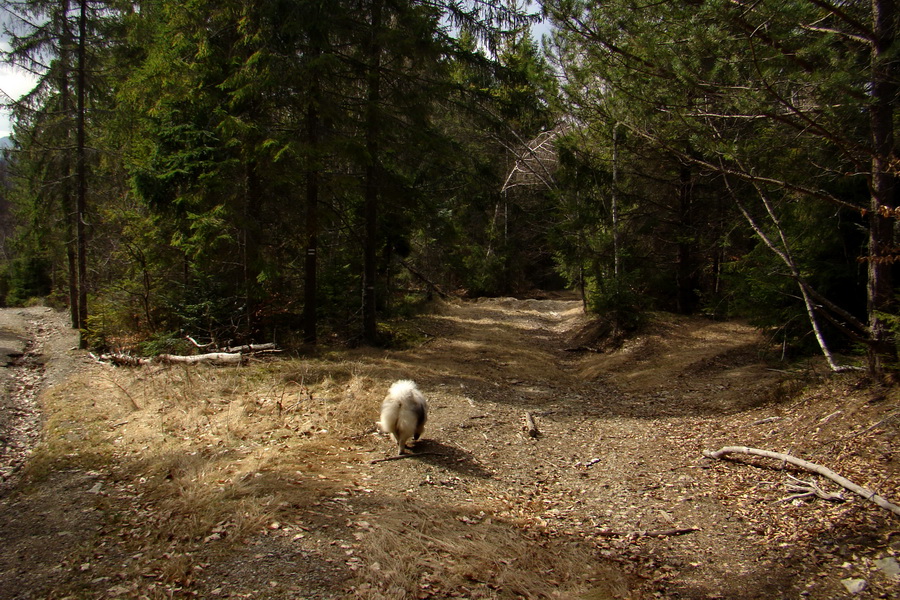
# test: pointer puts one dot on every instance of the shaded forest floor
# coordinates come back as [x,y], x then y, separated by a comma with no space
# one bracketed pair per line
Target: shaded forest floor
[258,482]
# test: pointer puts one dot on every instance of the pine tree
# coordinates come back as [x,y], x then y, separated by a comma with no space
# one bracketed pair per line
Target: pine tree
[264,156]
[775,111]
[55,40]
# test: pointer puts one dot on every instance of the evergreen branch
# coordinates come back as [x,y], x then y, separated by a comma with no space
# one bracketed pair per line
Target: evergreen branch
[856,38]
[756,32]
[744,175]
[806,122]
[574,25]
[865,33]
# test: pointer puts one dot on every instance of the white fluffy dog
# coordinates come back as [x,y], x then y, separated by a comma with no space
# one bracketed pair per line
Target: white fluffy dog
[403,413]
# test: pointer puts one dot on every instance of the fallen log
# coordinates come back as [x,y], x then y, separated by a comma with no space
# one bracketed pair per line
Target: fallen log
[121,360]
[215,358]
[235,355]
[811,467]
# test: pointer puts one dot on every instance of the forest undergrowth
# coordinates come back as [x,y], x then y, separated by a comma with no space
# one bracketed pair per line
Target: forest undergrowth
[258,481]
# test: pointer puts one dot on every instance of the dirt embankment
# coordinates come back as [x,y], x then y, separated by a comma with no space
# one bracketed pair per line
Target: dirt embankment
[258,481]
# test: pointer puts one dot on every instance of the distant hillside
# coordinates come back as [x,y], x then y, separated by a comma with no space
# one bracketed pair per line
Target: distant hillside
[5,142]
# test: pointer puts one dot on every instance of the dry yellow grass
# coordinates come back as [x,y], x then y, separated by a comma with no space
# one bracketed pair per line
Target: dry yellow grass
[210,453]
[219,454]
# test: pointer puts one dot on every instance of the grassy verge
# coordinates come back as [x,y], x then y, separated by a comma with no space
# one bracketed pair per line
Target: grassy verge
[196,460]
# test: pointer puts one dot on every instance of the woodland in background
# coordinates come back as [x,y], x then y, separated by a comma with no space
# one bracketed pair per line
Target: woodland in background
[295,170]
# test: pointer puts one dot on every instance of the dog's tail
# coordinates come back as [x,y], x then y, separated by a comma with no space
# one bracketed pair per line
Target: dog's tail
[390,413]
[402,389]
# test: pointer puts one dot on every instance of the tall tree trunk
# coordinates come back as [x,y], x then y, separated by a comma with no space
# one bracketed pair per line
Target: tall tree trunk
[81,172]
[67,202]
[370,210]
[250,233]
[685,278]
[615,201]
[884,88]
[310,297]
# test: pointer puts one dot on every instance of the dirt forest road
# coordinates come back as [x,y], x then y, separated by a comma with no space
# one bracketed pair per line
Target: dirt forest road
[619,445]
[610,498]
[36,346]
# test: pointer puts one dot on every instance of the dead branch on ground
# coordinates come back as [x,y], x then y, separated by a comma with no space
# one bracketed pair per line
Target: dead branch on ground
[648,533]
[807,489]
[812,467]
[120,359]
[530,427]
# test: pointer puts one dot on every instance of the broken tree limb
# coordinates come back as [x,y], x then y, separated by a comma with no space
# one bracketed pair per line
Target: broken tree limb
[781,248]
[431,285]
[530,427]
[197,344]
[244,349]
[648,533]
[808,489]
[811,467]
[252,348]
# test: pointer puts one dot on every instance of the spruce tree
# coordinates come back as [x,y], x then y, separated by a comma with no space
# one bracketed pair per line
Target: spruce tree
[778,102]
[59,42]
